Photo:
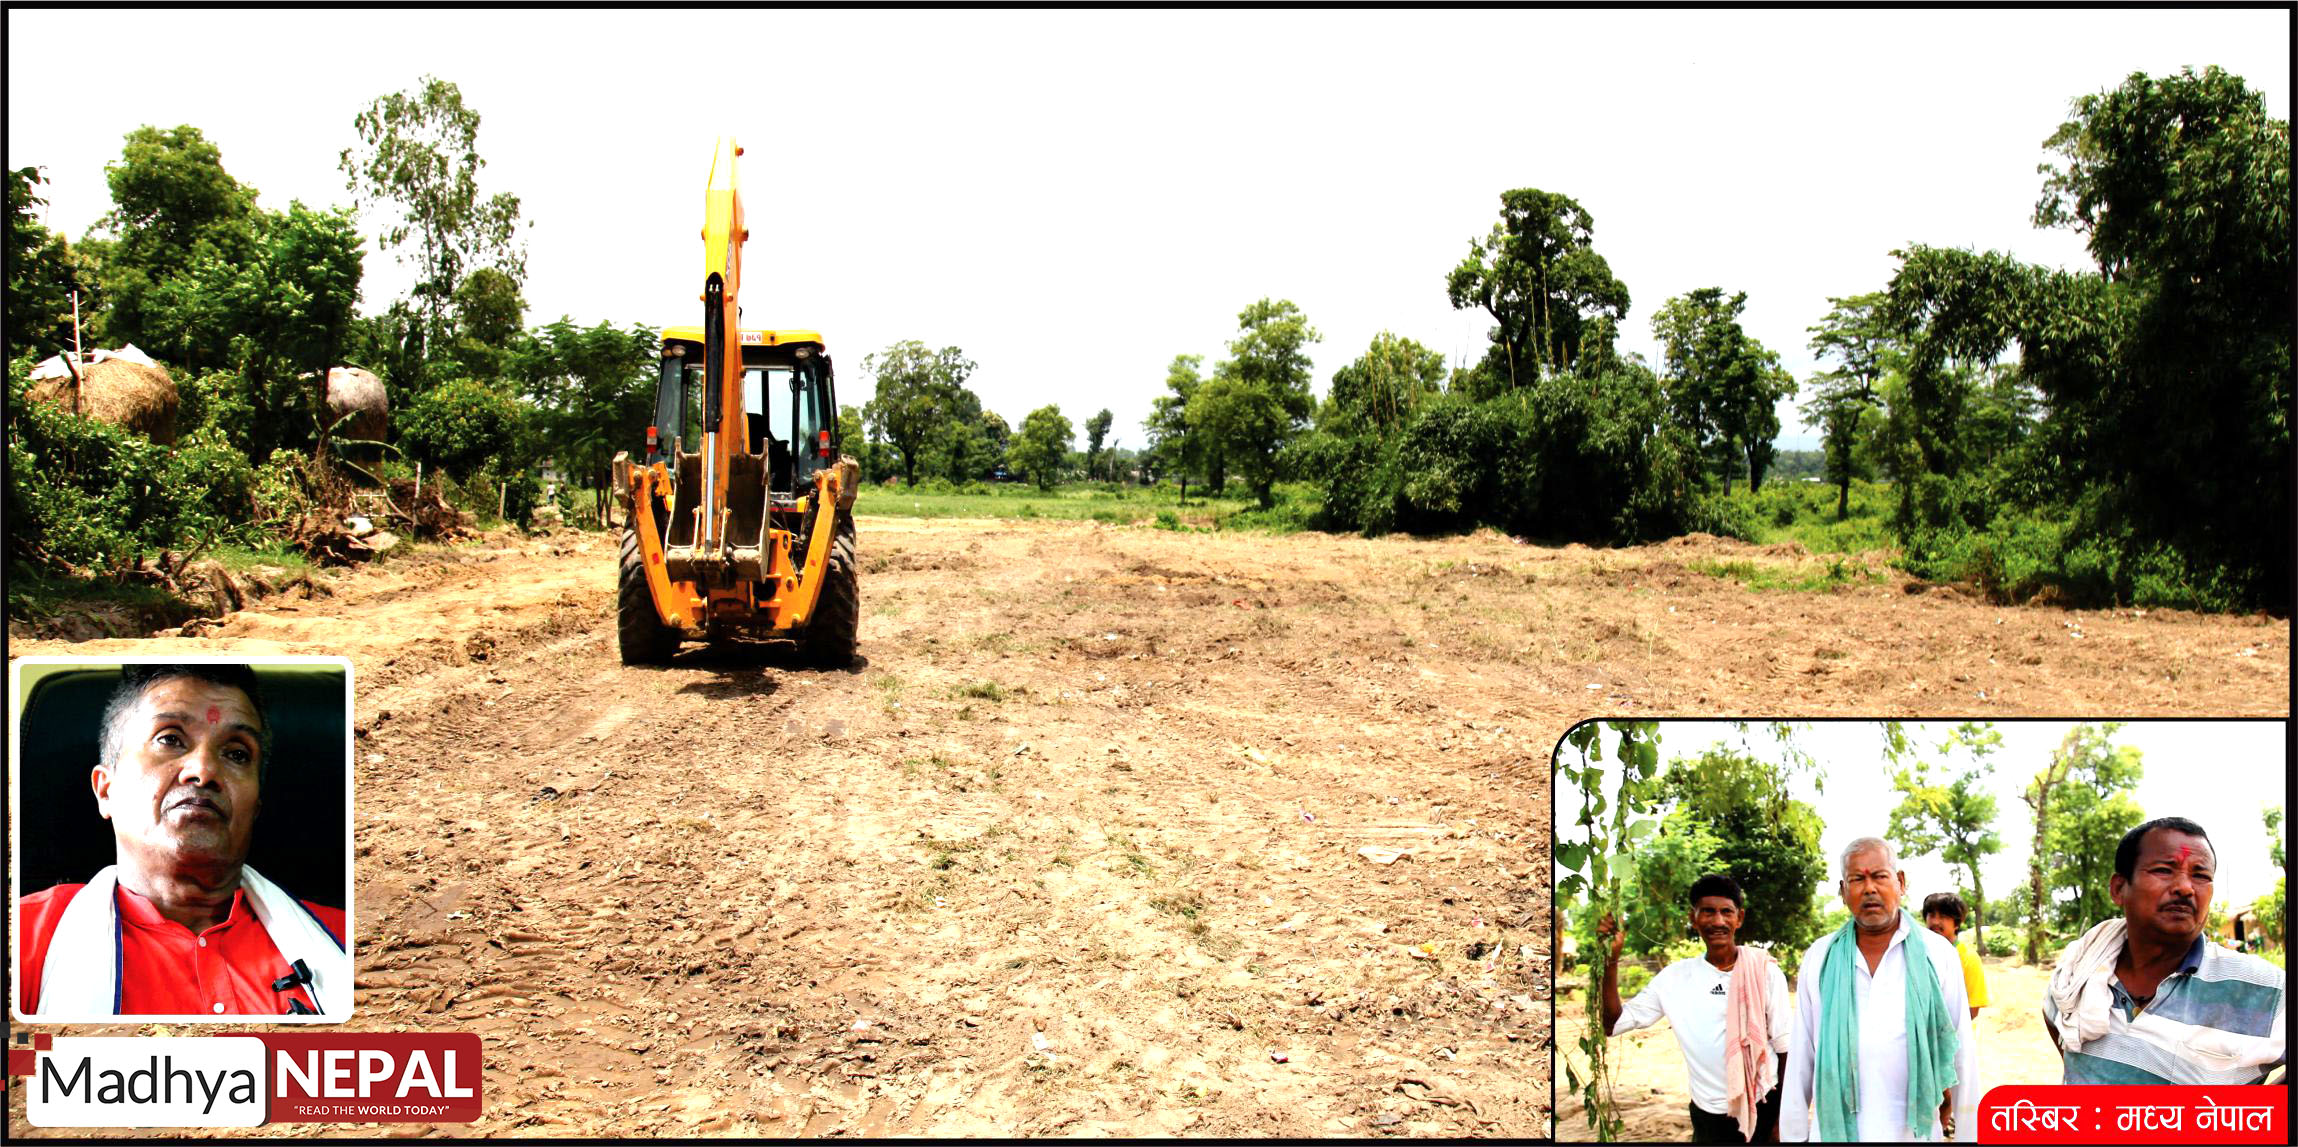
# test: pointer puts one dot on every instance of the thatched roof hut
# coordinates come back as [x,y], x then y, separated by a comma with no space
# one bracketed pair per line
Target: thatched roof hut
[359,393]
[121,391]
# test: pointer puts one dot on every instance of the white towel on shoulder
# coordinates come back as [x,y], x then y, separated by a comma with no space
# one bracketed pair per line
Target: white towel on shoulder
[80,976]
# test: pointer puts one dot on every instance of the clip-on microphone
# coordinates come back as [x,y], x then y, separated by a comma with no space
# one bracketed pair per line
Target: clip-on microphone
[301,975]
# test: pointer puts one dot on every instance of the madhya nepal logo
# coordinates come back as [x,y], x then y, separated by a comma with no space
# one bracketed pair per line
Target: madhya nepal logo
[247,1080]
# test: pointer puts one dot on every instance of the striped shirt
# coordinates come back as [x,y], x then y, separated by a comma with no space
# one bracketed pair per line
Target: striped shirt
[2215,989]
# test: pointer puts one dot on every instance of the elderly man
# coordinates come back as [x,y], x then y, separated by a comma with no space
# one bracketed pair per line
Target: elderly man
[179,924]
[1729,1009]
[1882,1048]
[2145,997]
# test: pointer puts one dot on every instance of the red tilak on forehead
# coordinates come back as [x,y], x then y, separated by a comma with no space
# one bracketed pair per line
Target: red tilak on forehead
[215,716]
[2182,849]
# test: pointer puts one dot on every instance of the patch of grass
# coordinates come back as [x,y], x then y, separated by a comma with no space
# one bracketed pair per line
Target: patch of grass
[1802,577]
[984,690]
[1183,902]
[1297,503]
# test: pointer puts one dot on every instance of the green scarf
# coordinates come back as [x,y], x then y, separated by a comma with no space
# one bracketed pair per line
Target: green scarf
[1931,1041]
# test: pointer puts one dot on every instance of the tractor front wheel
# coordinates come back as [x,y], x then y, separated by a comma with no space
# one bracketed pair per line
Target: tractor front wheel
[639,631]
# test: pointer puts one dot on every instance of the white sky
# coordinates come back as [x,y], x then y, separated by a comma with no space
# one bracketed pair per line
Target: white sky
[2219,774]
[1073,198]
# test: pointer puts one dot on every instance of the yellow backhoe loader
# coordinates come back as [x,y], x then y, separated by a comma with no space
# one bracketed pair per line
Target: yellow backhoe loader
[741,510]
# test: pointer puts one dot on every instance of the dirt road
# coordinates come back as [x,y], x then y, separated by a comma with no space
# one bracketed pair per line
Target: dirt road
[1079,847]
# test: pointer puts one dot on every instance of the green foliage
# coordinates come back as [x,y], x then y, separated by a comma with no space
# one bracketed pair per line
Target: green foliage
[1176,448]
[1658,874]
[591,393]
[418,156]
[2090,780]
[1042,446]
[1615,814]
[43,271]
[173,207]
[1259,398]
[1953,816]
[1554,303]
[2161,382]
[460,424]
[920,397]
[1566,456]
[1723,386]
[1997,943]
[1766,840]
[1096,434]
[83,493]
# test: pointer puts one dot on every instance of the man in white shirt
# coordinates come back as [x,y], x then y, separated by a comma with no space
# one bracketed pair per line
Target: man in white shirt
[1886,939]
[1692,994]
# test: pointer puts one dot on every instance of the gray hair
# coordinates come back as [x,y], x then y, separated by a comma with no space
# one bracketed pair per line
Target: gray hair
[1865,844]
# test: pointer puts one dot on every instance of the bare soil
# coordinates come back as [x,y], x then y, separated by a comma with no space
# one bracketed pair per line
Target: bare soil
[1108,790]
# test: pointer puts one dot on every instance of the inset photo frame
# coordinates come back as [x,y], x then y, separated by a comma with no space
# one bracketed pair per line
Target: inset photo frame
[2051,902]
[180,839]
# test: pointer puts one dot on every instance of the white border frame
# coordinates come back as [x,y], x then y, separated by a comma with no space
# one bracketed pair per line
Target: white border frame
[15,818]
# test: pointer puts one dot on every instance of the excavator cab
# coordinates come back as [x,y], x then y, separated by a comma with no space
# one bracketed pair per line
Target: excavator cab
[789,396]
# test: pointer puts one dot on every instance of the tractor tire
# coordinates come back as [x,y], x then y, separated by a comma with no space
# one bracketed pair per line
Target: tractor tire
[639,631]
[834,633]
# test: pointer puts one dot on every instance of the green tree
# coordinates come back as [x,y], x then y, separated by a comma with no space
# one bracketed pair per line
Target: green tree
[418,156]
[1952,816]
[461,424]
[855,443]
[1174,445]
[2082,807]
[1723,384]
[43,271]
[1096,432]
[173,205]
[1855,337]
[917,399]
[490,315]
[592,394]
[1382,390]
[1040,448]
[1259,397]
[1767,840]
[276,316]
[1554,302]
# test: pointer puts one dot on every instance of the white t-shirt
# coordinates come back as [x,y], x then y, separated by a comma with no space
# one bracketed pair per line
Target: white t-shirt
[1691,994]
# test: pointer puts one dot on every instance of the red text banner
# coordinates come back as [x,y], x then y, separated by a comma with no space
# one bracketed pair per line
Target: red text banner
[2135,1114]
[353,1077]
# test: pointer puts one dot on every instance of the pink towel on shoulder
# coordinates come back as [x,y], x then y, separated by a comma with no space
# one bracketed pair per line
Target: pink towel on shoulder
[1749,1070]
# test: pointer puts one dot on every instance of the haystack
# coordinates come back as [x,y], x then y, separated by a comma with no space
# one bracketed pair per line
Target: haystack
[358,393]
[125,393]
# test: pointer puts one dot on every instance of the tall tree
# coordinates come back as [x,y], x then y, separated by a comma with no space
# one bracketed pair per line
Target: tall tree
[2182,184]
[1767,840]
[1096,432]
[1552,298]
[173,206]
[1853,335]
[1953,816]
[2082,808]
[592,391]
[43,271]
[1041,446]
[418,154]
[1174,447]
[918,397]
[1724,384]
[1259,397]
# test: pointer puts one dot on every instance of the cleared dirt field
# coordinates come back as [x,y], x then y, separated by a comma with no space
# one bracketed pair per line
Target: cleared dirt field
[1081,847]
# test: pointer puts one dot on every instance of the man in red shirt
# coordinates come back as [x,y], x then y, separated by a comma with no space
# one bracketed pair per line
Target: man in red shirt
[180,925]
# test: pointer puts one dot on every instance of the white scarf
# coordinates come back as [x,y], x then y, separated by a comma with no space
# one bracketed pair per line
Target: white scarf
[80,975]
[2082,1003]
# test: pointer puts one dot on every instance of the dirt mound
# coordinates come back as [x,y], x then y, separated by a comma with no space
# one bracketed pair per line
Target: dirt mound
[128,395]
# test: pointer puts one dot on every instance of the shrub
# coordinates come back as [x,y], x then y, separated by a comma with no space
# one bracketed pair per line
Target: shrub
[460,424]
